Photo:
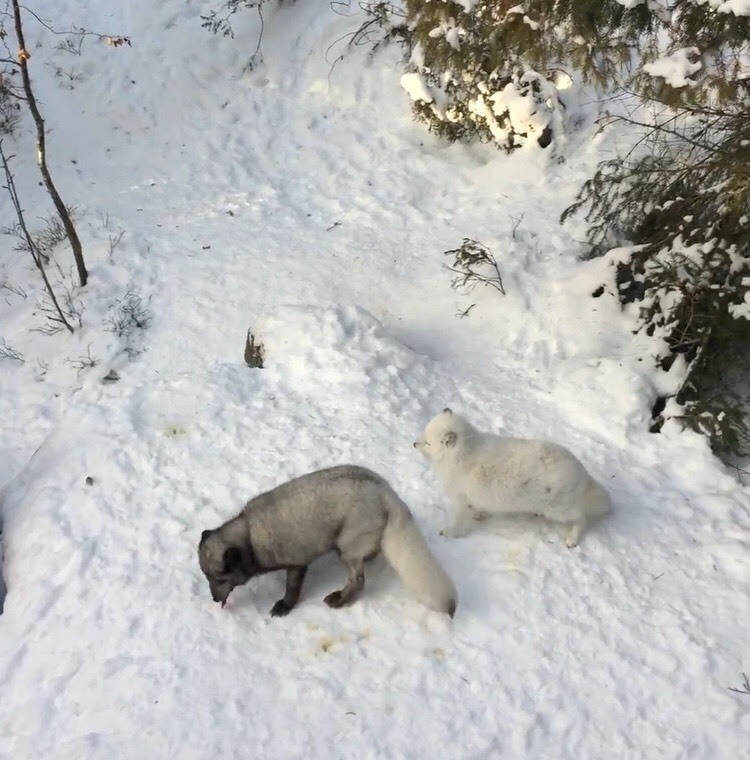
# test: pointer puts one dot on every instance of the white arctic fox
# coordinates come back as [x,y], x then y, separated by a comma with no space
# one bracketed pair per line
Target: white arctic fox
[487,474]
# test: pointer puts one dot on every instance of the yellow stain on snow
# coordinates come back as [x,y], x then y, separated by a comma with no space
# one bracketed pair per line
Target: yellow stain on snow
[173,431]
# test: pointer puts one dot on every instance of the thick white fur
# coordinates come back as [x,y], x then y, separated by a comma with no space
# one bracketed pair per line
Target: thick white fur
[408,554]
[487,474]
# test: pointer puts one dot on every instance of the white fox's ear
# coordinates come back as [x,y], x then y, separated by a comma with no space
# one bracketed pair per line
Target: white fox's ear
[447,410]
[449,439]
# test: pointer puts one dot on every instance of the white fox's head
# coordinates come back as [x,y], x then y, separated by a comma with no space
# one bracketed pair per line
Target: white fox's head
[443,436]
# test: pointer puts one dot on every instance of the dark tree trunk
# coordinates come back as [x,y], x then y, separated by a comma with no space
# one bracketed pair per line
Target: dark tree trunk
[41,155]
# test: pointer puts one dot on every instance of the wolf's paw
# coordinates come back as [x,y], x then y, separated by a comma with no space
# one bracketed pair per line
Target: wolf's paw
[334,599]
[280,609]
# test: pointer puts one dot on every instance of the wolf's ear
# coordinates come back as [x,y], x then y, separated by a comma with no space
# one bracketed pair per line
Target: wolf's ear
[205,535]
[449,439]
[232,558]
[447,410]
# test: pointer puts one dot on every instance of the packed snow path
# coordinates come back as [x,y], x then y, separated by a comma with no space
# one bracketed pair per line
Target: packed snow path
[310,209]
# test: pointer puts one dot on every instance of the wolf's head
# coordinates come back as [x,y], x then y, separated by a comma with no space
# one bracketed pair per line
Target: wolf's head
[225,564]
[443,436]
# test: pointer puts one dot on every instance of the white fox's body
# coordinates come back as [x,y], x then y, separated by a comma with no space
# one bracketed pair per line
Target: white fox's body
[488,474]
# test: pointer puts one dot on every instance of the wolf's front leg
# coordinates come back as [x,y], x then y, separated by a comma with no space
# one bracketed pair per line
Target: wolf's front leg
[463,519]
[353,587]
[295,577]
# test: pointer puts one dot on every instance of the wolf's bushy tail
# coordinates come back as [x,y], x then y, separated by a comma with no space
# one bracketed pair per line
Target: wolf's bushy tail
[406,551]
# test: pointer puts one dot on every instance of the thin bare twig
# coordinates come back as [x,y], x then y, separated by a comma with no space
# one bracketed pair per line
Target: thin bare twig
[35,255]
[8,352]
[111,39]
[744,689]
[87,361]
[470,255]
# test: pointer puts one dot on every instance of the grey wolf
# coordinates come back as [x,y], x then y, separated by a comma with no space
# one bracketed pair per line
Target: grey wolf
[347,509]
[487,474]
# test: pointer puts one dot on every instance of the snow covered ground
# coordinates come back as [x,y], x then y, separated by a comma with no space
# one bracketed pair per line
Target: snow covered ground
[304,204]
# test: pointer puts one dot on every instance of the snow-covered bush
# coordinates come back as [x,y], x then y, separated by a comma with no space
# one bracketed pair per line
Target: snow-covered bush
[468,76]
[493,69]
[681,200]
[507,107]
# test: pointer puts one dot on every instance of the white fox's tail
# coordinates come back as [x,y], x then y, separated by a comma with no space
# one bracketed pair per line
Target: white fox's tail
[406,551]
[596,499]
